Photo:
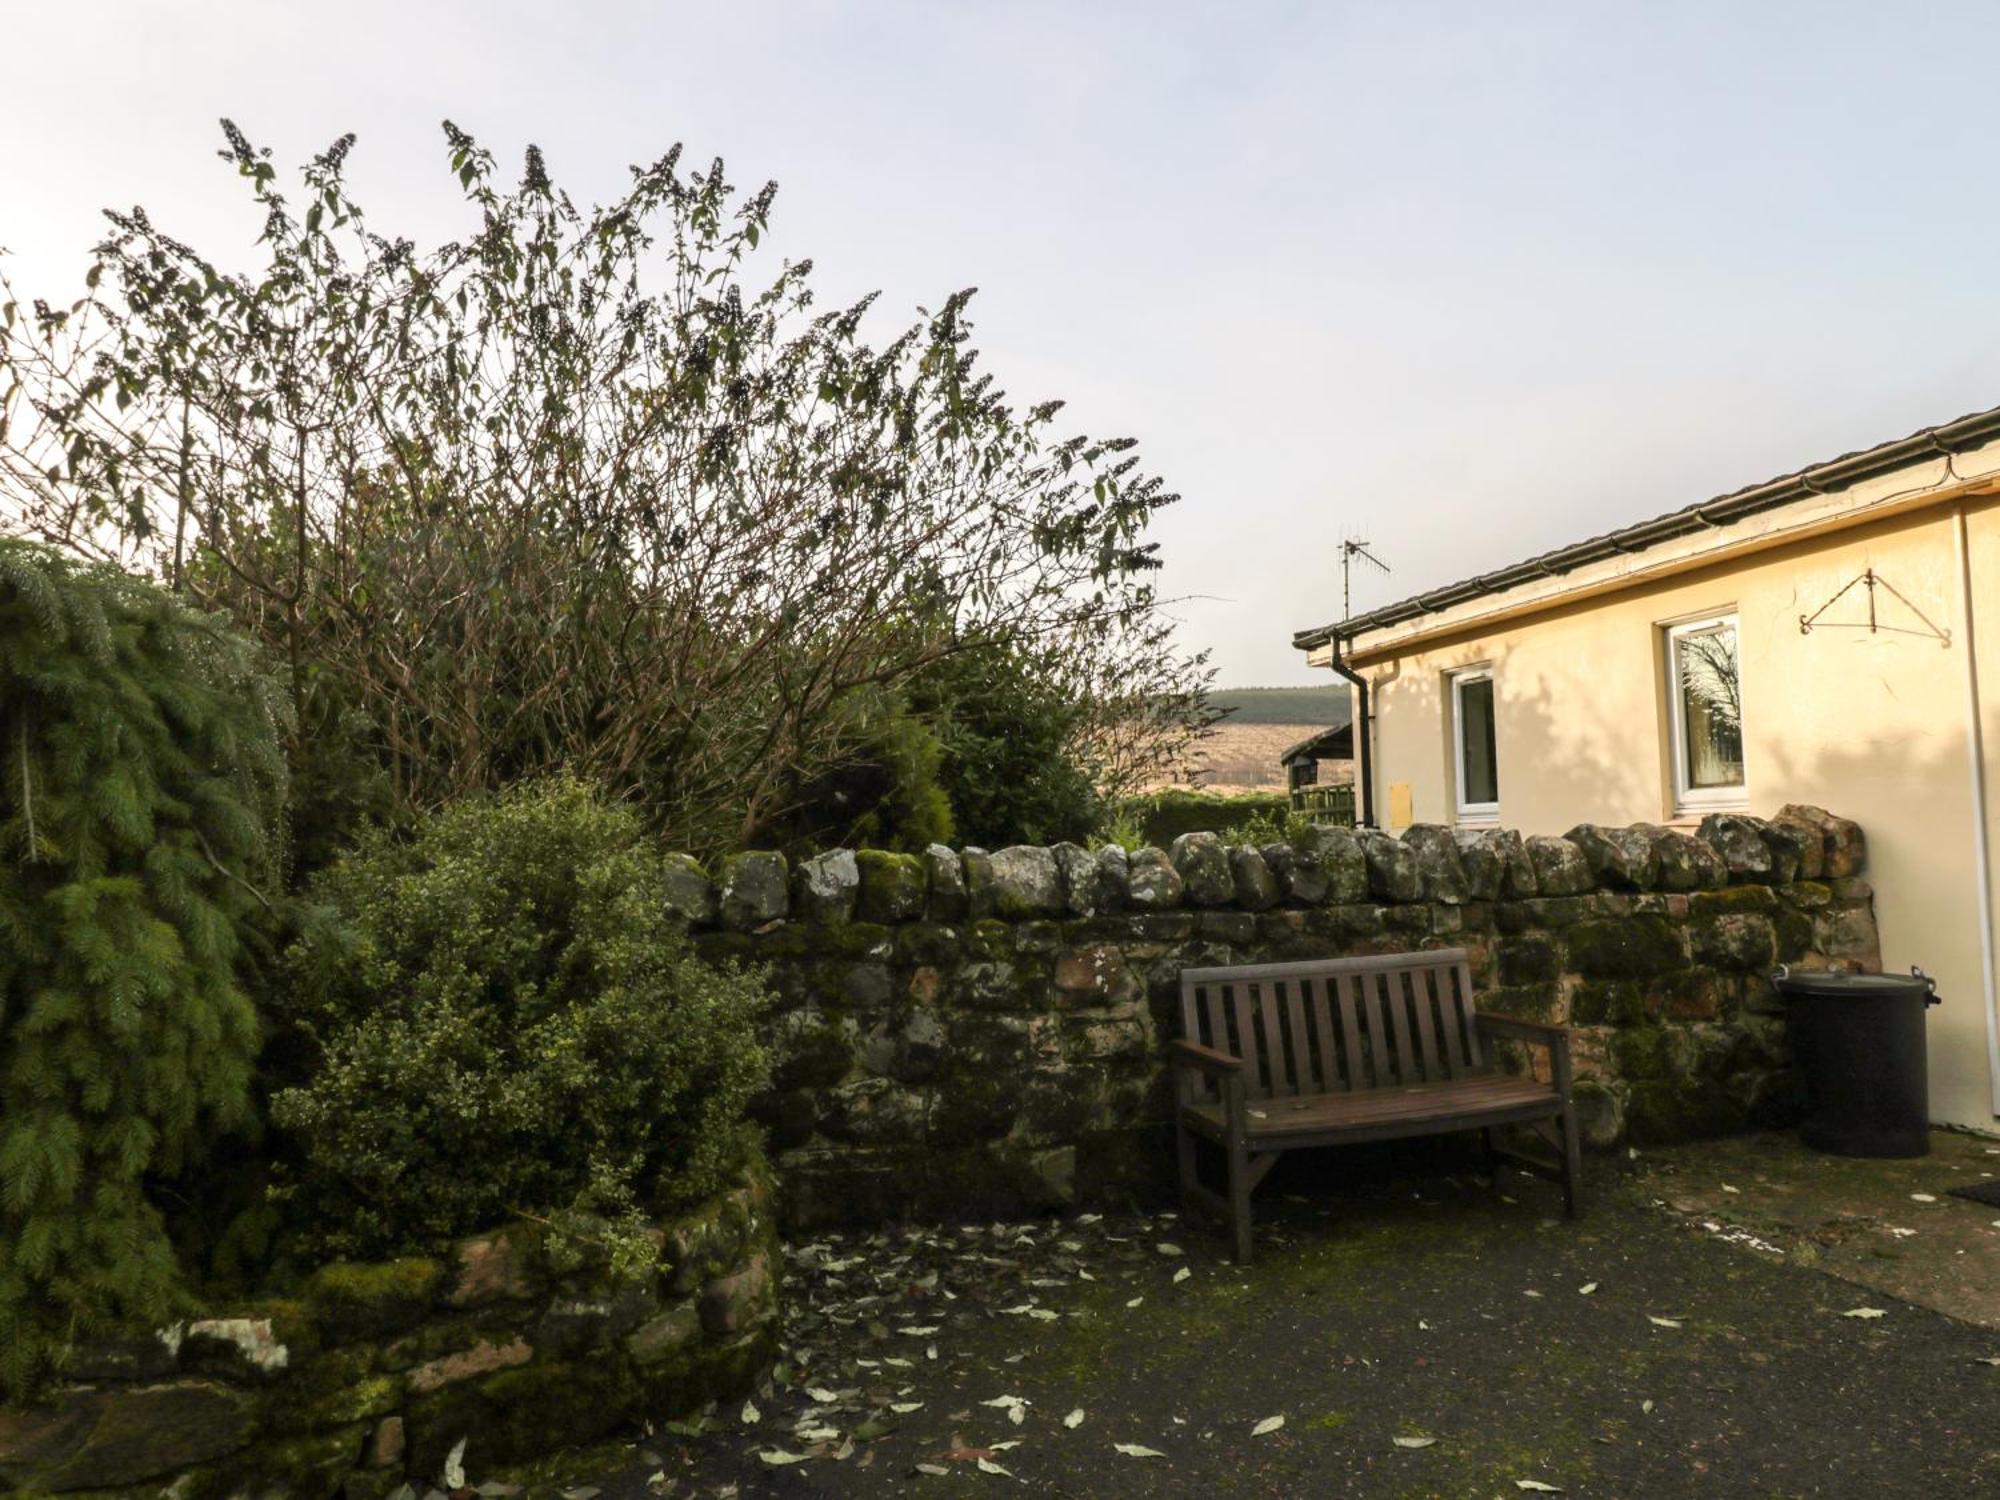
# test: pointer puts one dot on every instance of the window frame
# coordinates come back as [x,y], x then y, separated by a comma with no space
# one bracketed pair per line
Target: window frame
[1688,799]
[1465,812]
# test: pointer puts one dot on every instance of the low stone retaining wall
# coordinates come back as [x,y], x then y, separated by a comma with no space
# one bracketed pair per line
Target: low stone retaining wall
[373,1375]
[983,1031]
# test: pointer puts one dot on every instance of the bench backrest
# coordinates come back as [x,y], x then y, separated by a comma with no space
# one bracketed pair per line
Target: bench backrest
[1338,1025]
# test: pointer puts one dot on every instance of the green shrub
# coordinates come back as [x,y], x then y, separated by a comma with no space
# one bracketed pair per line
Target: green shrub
[140,792]
[1008,728]
[505,1022]
[1158,818]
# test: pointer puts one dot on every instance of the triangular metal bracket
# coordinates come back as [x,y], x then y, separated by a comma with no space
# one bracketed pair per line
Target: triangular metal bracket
[1871,581]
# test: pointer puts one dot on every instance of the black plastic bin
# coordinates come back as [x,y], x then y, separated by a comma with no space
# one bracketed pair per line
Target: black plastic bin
[1860,1042]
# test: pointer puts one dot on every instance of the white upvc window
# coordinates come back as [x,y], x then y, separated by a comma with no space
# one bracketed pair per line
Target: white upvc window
[1475,765]
[1705,714]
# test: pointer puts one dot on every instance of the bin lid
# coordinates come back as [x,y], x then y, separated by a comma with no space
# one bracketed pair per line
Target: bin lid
[1838,986]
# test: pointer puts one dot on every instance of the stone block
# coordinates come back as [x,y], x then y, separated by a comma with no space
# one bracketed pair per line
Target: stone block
[1560,868]
[1843,847]
[1341,859]
[1392,867]
[1740,842]
[1440,872]
[97,1439]
[666,1335]
[1737,940]
[1019,881]
[1620,859]
[1114,873]
[688,893]
[1153,884]
[483,1358]
[498,1266]
[826,887]
[1202,862]
[1256,888]
[755,889]
[944,870]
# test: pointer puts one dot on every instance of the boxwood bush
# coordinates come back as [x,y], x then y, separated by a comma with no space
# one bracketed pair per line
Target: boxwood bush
[502,1019]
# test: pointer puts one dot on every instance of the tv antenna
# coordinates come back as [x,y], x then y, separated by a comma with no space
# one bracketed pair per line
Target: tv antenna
[1350,549]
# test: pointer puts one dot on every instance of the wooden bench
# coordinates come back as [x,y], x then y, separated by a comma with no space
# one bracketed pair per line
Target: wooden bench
[1336,1051]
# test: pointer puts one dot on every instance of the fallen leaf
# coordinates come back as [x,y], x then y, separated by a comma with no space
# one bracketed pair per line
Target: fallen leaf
[1663,1322]
[1586,1289]
[904,1408]
[1269,1424]
[919,1333]
[751,1415]
[1646,1407]
[1170,1251]
[778,1458]
[1728,1189]
[1135,1301]
[1987,1359]
[1182,1275]
[987,1466]
[1413,1442]
[1075,1419]
[938,1469]
[1538,1487]
[1922,1198]
[1138,1450]
[454,1467]
[1864,1312]
[822,1395]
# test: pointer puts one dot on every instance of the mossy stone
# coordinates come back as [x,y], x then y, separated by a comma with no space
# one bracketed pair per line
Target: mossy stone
[893,886]
[520,1414]
[354,1300]
[332,1390]
[1639,947]
[1528,960]
[313,1464]
[1730,900]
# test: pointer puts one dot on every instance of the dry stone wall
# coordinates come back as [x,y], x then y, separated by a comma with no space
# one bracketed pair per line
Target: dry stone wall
[370,1377]
[982,1031]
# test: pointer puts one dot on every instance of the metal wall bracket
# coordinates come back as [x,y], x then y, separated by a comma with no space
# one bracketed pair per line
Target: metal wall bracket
[1871,581]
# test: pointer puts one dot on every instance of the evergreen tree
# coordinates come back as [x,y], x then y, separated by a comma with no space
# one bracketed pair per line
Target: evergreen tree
[141,777]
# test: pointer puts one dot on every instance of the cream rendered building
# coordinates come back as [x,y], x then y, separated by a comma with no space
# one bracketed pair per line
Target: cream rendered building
[1723,657]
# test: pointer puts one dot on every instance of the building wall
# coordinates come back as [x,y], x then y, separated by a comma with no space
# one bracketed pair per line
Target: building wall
[1875,724]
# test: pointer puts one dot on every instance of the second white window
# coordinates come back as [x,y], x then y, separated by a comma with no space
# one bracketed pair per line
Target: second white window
[1473,745]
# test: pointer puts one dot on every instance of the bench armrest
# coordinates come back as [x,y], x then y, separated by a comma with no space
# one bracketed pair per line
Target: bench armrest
[1203,1059]
[1535,1033]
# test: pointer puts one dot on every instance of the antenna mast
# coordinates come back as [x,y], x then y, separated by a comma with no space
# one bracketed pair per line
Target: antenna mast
[1350,549]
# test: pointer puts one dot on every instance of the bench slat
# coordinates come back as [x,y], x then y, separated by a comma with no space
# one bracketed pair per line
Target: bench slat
[1425,1001]
[1246,1040]
[1474,1056]
[1329,1052]
[1275,1056]
[1350,1030]
[1304,1079]
[1399,1014]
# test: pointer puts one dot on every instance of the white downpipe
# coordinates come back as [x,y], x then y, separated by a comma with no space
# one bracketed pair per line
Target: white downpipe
[1975,743]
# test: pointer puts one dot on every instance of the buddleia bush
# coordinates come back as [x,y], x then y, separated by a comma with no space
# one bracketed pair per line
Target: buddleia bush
[503,1020]
[141,782]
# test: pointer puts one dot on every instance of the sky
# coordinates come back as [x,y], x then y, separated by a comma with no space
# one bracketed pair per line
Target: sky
[1465,280]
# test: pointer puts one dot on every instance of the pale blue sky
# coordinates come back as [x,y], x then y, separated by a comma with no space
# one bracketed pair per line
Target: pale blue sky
[1468,279]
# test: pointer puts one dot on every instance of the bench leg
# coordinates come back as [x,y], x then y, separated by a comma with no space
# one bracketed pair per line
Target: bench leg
[1190,1177]
[1491,1136]
[1572,1147]
[1239,1200]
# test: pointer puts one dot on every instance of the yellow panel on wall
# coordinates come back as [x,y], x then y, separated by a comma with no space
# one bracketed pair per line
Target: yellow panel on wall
[1400,815]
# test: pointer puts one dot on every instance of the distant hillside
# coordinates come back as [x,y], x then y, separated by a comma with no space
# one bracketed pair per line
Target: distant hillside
[1314,707]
